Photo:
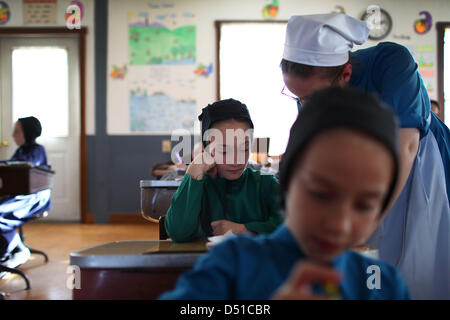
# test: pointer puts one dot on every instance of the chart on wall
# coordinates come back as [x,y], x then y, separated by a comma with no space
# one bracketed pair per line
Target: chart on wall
[160,72]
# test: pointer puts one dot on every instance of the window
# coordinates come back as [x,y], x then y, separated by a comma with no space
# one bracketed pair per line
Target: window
[40,87]
[447,75]
[249,66]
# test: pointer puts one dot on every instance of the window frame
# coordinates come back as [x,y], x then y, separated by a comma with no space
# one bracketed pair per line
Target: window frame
[440,33]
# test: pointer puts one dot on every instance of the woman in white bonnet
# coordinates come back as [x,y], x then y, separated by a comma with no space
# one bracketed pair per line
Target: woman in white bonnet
[415,234]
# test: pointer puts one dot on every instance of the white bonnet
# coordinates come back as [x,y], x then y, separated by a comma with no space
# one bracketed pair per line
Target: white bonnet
[323,39]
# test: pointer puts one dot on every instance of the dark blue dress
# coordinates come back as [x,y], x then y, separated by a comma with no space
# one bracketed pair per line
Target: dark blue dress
[15,211]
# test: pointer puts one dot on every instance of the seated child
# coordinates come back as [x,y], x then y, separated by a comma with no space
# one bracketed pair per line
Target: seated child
[338,173]
[218,193]
[15,211]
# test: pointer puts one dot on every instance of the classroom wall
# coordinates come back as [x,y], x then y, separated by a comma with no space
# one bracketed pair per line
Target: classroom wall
[119,156]
[403,12]
[143,149]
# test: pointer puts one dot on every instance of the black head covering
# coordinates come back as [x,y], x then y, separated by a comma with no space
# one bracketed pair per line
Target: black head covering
[223,110]
[31,128]
[338,107]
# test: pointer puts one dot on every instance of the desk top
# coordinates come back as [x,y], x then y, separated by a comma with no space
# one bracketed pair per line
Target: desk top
[160,183]
[139,254]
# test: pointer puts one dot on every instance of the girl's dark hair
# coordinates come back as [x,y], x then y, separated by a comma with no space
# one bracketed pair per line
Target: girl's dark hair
[304,71]
[436,103]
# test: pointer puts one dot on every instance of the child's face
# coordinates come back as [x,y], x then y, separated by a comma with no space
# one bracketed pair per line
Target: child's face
[336,192]
[232,153]
[18,135]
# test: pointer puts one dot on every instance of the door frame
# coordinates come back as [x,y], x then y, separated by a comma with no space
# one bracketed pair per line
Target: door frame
[440,32]
[81,36]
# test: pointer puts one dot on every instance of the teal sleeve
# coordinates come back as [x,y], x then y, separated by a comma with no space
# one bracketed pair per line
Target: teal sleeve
[183,217]
[212,277]
[271,200]
[398,81]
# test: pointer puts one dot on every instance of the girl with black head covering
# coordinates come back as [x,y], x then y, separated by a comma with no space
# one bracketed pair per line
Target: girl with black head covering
[337,175]
[15,211]
[26,130]
[219,193]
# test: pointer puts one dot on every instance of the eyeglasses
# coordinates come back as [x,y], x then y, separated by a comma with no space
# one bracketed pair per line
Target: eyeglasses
[285,91]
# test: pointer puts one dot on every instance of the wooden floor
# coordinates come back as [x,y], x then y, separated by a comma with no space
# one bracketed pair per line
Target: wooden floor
[48,280]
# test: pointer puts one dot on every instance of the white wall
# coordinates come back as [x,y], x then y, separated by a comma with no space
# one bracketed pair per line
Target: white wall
[403,12]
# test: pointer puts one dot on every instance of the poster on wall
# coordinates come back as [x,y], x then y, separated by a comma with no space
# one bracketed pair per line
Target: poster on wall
[39,12]
[5,13]
[424,55]
[160,73]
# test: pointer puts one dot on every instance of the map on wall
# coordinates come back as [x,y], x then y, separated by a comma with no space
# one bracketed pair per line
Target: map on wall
[162,56]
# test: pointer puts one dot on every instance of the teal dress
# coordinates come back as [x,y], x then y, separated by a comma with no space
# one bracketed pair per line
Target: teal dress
[415,234]
[254,267]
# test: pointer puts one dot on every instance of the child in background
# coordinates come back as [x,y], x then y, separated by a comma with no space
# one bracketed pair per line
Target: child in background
[338,174]
[434,104]
[15,211]
[218,192]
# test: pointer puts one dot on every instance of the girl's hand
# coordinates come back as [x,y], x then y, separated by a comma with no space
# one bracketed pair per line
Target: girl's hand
[220,227]
[202,163]
[303,276]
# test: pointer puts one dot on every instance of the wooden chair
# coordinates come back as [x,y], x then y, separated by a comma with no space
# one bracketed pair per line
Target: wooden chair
[156,196]
[22,179]
[260,150]
[16,270]
[22,236]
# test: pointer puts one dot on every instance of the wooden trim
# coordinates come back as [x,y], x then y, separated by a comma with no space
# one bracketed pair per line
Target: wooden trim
[128,218]
[83,138]
[122,218]
[89,219]
[440,32]
[218,24]
[218,34]
[13,31]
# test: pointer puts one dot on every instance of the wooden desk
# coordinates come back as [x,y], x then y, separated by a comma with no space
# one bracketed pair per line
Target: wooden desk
[132,269]
[21,178]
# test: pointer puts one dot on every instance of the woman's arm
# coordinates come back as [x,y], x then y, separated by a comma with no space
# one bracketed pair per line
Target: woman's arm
[409,145]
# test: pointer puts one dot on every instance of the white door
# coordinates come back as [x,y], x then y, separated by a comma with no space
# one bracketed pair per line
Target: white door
[40,77]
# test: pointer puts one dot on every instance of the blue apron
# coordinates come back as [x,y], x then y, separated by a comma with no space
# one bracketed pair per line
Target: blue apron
[415,234]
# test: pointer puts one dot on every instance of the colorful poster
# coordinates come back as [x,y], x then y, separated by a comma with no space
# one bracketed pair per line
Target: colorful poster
[39,11]
[271,10]
[162,39]
[162,99]
[161,71]
[422,26]
[204,71]
[5,13]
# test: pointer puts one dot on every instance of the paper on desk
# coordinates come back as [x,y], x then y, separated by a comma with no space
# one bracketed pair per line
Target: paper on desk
[212,241]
